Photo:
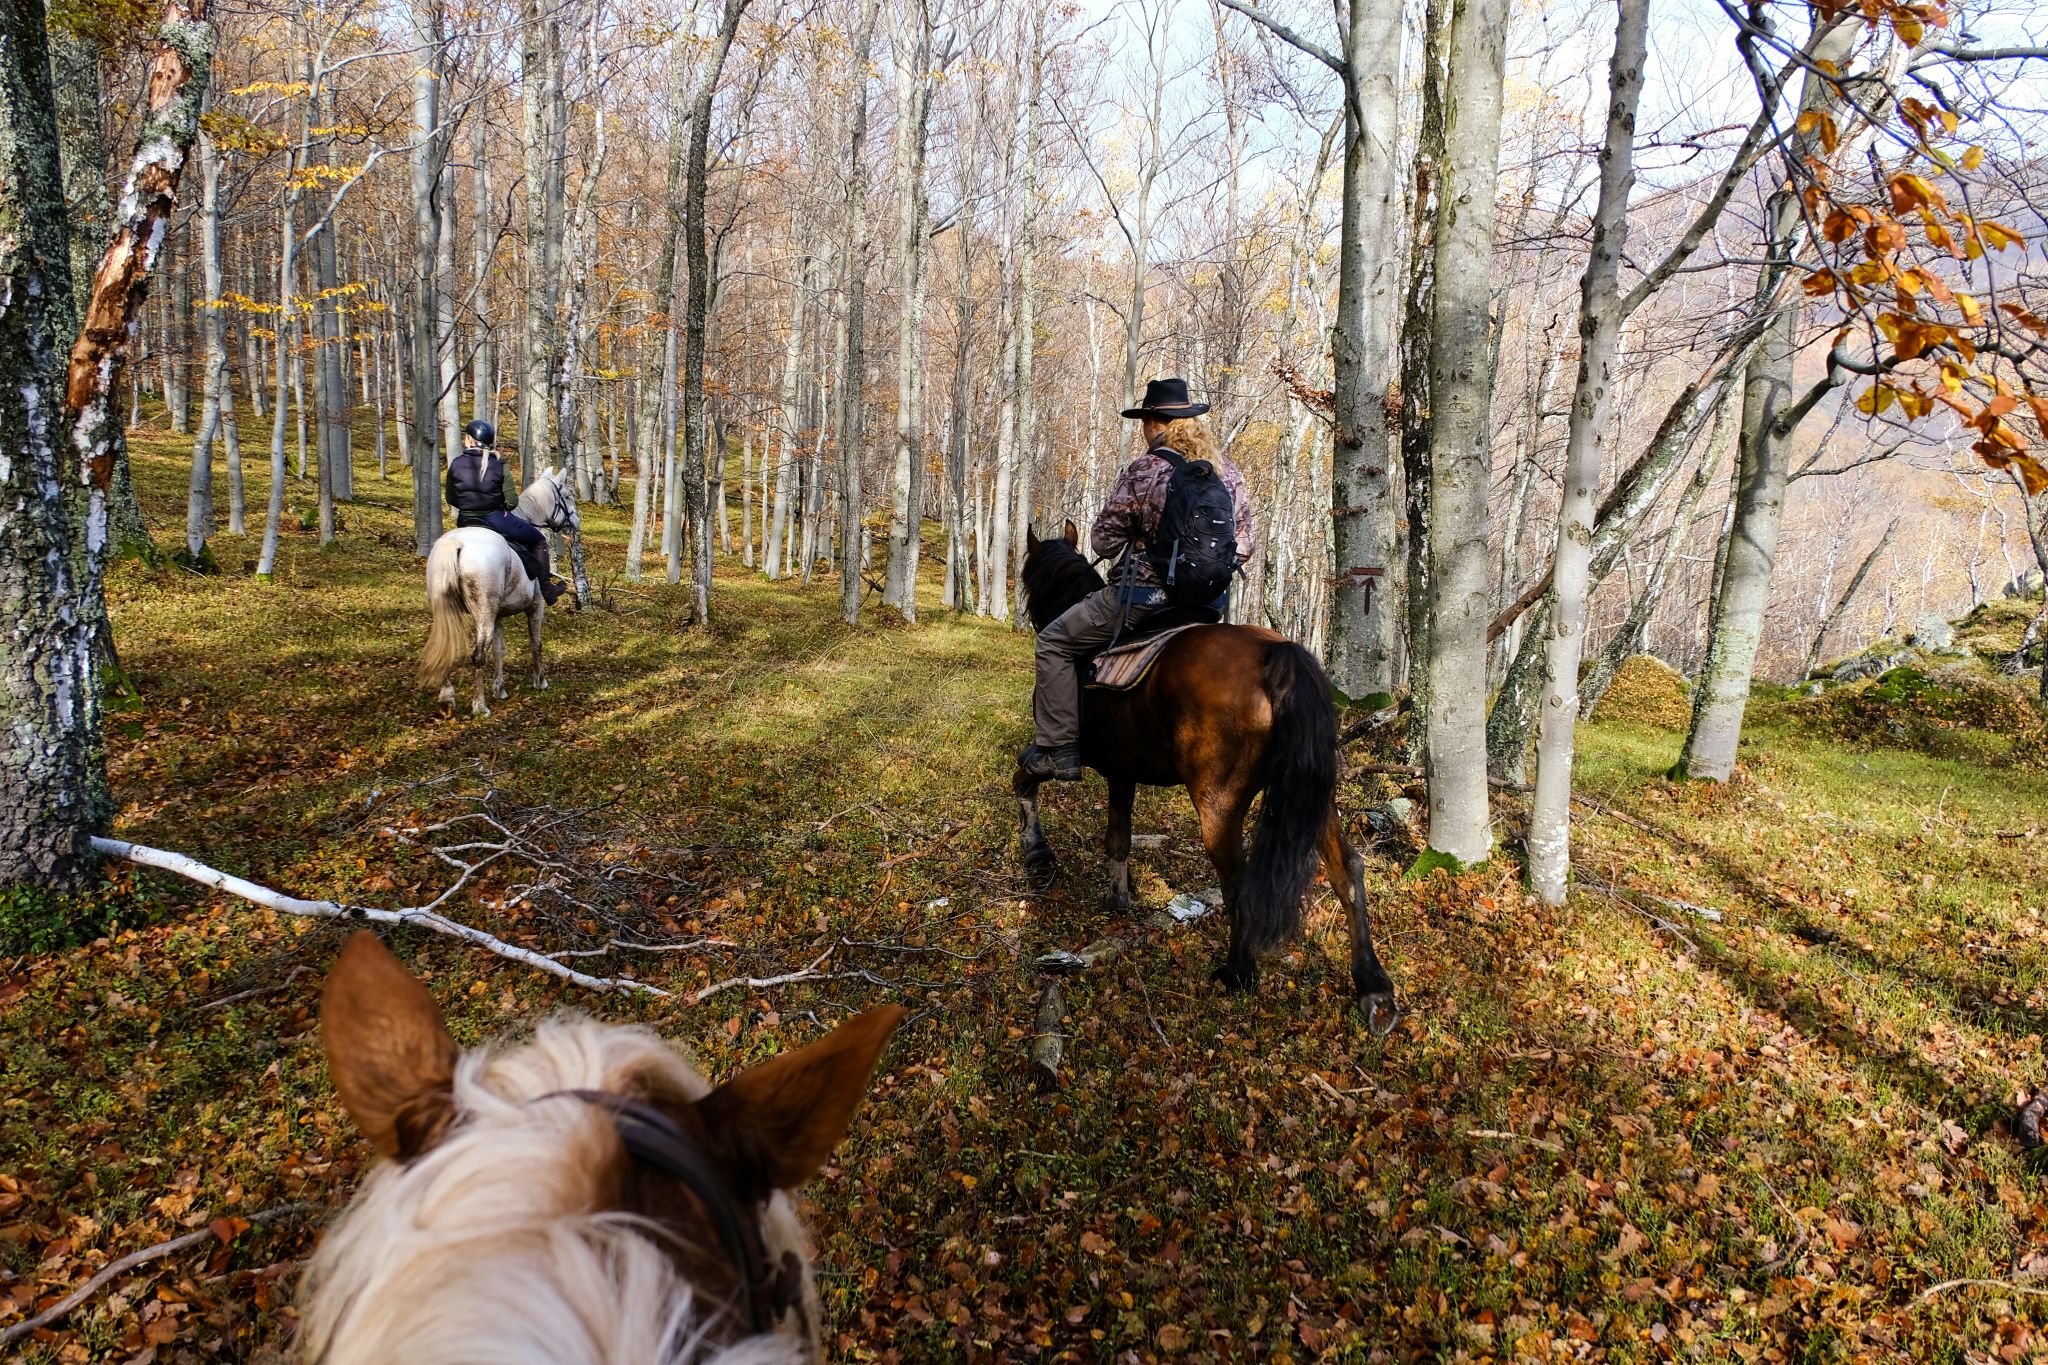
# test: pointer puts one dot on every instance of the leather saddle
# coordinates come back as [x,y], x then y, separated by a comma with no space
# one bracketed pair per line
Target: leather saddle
[528,560]
[1125,664]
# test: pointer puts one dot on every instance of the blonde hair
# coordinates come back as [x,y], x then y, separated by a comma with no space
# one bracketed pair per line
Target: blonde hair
[500,1243]
[1192,437]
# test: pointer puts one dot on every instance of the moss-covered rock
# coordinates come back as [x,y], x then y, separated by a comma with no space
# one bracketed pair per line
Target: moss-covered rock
[1647,691]
[1949,710]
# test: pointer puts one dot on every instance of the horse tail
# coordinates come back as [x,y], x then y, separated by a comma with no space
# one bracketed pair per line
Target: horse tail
[446,642]
[1300,785]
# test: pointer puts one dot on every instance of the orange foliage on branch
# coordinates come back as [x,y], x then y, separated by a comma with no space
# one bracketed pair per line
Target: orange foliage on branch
[1903,255]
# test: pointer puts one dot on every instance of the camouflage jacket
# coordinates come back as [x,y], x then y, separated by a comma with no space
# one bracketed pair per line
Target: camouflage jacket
[1135,505]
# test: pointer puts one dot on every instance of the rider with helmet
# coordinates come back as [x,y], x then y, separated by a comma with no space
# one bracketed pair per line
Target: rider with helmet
[477,491]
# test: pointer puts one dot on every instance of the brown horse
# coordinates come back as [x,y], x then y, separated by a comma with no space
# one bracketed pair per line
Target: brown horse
[1230,713]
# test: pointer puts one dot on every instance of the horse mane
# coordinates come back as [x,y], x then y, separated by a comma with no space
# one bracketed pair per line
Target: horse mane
[504,1241]
[1056,576]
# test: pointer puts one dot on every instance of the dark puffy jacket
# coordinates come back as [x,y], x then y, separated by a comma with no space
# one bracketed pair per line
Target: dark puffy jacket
[476,486]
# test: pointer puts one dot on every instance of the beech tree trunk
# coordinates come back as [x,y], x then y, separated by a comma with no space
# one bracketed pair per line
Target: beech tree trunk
[913,102]
[655,449]
[1841,604]
[1769,412]
[484,364]
[1461,392]
[774,555]
[1737,623]
[540,77]
[1364,630]
[852,419]
[1586,448]
[1025,441]
[426,245]
[219,394]
[694,320]
[1632,635]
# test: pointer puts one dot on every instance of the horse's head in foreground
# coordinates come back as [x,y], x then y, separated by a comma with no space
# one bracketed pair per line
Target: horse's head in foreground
[582,1196]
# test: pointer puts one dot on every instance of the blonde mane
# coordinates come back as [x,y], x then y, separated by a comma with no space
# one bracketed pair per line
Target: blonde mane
[503,1242]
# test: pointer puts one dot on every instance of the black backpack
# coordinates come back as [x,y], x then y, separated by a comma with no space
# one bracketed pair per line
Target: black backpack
[1194,547]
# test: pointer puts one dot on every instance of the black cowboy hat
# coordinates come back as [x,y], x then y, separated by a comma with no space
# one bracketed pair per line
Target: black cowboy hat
[1166,399]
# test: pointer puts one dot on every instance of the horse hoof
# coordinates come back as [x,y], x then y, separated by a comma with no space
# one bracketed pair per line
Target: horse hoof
[1381,1012]
[1235,979]
[1116,901]
[1040,867]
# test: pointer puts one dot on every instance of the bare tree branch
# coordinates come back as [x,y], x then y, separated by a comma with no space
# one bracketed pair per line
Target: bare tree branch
[417,916]
[1287,35]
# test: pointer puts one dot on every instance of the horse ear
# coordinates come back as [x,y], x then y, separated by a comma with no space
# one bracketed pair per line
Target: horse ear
[392,1060]
[1071,532]
[772,1126]
[1030,538]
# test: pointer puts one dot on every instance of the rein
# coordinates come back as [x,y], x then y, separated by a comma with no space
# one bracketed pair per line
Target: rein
[654,1140]
[558,515]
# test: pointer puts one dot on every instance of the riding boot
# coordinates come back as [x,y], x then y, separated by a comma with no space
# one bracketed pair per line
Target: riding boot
[551,587]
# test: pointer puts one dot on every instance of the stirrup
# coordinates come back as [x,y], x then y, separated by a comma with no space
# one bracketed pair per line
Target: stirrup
[1062,764]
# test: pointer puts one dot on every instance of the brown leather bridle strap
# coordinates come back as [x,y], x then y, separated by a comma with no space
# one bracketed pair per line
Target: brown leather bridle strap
[654,1140]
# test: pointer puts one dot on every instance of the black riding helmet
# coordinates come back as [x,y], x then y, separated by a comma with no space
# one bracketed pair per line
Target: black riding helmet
[482,433]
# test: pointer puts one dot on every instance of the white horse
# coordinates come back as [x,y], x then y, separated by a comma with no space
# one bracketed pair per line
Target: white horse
[581,1197]
[474,570]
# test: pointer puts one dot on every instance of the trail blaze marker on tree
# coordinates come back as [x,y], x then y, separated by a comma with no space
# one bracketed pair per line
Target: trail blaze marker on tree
[1352,577]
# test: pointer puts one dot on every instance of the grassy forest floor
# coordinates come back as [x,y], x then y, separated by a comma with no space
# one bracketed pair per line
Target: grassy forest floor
[1597,1135]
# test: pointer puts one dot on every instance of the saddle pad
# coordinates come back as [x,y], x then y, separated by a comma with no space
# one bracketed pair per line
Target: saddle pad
[1122,668]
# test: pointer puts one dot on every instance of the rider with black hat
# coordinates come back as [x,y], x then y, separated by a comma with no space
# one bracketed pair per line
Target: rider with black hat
[477,490]
[1126,522]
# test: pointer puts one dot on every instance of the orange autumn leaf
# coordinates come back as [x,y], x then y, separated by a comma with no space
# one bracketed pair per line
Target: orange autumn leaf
[1911,191]
[2018,313]
[1998,236]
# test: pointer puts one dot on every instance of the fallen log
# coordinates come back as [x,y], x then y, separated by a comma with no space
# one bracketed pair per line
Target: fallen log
[1048,1047]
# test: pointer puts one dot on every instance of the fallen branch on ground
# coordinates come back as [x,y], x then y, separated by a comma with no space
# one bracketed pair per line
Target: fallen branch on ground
[422,917]
[809,973]
[113,1270]
[1502,1135]
[2013,1285]
[293,975]
[1047,1045]
[1620,896]
[937,842]
[1376,721]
